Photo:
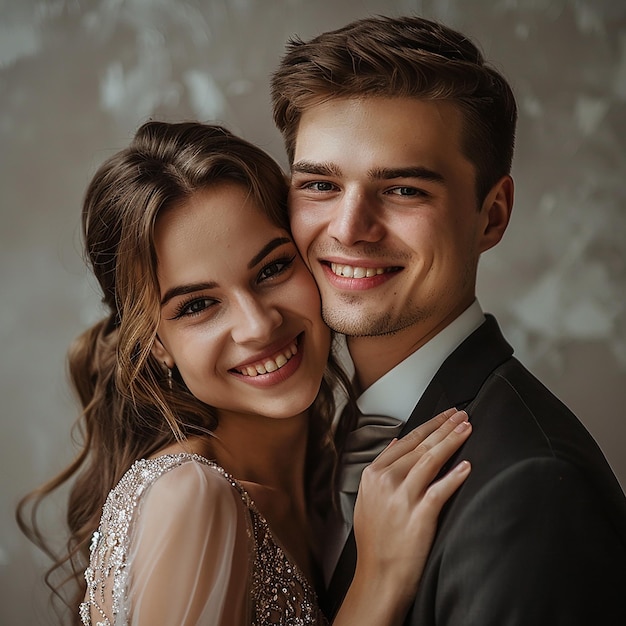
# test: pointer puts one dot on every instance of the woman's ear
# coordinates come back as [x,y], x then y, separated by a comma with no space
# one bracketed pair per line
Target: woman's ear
[161,354]
[497,209]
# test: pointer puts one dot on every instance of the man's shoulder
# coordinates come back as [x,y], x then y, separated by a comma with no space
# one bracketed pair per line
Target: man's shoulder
[522,417]
[519,424]
[512,400]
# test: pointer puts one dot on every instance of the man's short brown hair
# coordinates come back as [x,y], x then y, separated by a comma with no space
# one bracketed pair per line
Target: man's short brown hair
[402,57]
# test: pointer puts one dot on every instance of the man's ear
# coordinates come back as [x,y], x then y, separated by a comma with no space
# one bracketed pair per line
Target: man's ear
[497,209]
[161,354]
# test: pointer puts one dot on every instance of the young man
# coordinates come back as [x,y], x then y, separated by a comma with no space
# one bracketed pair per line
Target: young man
[400,139]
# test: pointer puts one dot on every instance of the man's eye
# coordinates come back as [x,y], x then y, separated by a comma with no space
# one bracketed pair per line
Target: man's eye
[405,191]
[320,186]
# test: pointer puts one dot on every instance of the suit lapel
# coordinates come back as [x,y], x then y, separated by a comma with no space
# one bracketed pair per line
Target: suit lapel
[462,374]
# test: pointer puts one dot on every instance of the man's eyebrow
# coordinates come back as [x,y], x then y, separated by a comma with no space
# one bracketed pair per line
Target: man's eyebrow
[266,249]
[388,173]
[379,173]
[319,169]
[182,290]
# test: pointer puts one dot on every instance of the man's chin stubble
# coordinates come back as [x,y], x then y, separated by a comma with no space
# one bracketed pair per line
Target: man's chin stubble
[385,326]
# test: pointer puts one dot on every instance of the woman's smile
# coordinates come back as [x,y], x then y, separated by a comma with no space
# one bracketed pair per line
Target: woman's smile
[269,362]
[273,370]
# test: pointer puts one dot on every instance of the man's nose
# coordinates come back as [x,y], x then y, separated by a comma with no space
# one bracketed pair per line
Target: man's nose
[356,218]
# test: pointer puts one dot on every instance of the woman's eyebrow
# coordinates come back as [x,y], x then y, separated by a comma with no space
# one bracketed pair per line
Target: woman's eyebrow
[182,290]
[266,249]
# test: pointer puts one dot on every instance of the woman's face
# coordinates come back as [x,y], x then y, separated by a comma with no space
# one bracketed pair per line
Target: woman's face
[240,312]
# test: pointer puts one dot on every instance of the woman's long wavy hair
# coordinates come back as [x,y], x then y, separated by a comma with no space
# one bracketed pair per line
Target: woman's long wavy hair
[130,409]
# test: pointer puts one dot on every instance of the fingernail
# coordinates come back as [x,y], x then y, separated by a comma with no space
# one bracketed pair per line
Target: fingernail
[462,467]
[461,427]
[459,416]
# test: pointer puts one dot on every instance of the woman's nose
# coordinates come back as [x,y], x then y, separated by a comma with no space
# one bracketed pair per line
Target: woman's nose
[255,320]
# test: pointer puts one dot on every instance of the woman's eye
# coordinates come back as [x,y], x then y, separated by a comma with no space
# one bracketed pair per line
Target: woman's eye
[275,268]
[193,307]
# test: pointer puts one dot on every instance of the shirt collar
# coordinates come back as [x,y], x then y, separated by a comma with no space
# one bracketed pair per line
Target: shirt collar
[398,391]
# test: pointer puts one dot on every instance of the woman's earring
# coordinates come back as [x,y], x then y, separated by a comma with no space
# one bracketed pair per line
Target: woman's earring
[169,375]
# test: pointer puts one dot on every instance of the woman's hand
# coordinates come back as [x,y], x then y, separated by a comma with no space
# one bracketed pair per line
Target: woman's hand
[395,517]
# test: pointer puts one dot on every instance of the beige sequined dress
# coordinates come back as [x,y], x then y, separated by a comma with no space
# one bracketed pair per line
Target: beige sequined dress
[181,542]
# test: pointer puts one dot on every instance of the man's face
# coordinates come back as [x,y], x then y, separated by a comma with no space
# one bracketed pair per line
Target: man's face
[383,209]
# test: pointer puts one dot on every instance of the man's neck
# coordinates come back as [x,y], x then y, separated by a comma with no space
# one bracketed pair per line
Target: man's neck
[373,357]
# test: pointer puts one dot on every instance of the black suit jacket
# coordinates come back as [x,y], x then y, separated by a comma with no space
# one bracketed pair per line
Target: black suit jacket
[537,534]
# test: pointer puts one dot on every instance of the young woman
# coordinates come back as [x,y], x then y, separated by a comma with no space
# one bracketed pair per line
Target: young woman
[207,404]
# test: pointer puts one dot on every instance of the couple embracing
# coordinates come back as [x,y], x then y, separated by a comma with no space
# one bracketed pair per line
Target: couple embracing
[221,480]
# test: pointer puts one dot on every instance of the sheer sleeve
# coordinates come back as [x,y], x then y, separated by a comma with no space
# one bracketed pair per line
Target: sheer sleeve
[181,542]
[190,552]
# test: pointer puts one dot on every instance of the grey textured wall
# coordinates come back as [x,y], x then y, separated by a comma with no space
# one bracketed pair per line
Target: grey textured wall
[77,77]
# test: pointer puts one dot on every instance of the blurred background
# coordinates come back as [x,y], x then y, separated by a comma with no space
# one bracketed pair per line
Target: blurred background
[78,76]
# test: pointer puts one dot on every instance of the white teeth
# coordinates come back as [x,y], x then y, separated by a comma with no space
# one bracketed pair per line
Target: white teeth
[349,271]
[272,364]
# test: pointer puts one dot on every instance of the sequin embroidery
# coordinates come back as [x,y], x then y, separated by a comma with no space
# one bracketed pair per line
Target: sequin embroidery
[279,592]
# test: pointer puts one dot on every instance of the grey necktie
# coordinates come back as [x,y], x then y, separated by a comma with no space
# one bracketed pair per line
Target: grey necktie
[363,444]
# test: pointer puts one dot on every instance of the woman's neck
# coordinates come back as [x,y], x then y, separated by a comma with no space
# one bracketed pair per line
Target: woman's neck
[268,456]
[266,451]
[254,449]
